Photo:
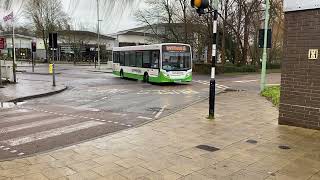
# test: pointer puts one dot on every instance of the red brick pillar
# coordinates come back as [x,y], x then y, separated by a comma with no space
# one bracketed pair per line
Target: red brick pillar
[300,83]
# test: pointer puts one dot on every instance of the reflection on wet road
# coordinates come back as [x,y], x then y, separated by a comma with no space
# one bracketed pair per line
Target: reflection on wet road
[96,104]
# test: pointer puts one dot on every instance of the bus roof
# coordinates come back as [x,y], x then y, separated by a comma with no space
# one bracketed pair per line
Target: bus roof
[145,47]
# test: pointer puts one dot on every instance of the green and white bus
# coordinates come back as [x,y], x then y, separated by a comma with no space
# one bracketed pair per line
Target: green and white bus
[158,63]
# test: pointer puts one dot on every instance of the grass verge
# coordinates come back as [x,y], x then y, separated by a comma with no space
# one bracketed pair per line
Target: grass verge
[272,93]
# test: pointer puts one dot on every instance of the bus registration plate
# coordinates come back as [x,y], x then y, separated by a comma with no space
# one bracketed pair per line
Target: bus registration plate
[177,73]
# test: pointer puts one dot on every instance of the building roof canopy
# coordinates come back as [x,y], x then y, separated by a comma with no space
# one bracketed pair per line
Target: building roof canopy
[299,5]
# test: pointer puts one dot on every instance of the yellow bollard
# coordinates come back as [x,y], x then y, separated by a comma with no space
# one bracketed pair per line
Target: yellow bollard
[50,69]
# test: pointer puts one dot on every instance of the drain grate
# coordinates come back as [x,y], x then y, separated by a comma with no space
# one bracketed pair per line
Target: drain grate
[208,148]
[285,147]
[251,141]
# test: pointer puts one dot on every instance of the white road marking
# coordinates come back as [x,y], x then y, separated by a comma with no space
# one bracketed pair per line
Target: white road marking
[142,117]
[14,112]
[160,112]
[245,81]
[167,92]
[51,133]
[119,114]
[219,86]
[33,124]
[21,118]
[84,117]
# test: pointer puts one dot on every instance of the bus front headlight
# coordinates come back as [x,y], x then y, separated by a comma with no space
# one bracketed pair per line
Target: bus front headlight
[165,74]
[189,74]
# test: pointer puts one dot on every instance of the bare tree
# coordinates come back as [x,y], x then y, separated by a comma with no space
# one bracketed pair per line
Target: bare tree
[47,16]
[184,6]
[164,12]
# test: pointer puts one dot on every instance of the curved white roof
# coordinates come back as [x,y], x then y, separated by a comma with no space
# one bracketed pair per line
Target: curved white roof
[145,47]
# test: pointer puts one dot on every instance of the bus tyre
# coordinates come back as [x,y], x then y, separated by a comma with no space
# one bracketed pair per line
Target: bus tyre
[146,77]
[121,74]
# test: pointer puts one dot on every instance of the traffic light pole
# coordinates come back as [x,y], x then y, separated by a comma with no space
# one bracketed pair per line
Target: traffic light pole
[212,95]
[264,56]
[98,32]
[53,66]
[32,62]
[201,6]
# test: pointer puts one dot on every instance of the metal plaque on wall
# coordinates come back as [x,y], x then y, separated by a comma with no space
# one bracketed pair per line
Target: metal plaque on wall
[299,5]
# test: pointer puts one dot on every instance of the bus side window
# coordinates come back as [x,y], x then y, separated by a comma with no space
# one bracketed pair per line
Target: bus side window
[139,57]
[116,57]
[126,59]
[121,58]
[155,59]
[132,59]
[146,59]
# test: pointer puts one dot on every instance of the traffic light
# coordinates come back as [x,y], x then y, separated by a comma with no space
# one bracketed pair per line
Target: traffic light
[200,5]
[53,40]
[261,38]
[34,46]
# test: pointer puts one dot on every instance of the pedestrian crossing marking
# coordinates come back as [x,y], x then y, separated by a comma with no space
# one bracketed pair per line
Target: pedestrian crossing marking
[16,112]
[69,115]
[23,117]
[34,124]
[51,133]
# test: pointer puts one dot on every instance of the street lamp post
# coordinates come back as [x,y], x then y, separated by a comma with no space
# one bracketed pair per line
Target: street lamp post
[264,56]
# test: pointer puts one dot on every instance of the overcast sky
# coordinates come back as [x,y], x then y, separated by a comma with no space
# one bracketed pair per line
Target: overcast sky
[84,15]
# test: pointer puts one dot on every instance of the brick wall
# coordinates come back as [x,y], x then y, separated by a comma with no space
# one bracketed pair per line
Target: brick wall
[300,89]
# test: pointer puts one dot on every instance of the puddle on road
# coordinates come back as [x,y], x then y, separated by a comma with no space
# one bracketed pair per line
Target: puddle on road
[7,105]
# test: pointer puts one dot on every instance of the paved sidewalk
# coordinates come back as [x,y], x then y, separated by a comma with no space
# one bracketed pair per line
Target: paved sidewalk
[26,89]
[165,149]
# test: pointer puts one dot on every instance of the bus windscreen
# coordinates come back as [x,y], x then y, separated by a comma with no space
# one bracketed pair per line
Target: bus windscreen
[176,58]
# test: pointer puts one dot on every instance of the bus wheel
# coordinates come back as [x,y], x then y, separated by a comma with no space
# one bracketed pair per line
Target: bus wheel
[146,77]
[121,74]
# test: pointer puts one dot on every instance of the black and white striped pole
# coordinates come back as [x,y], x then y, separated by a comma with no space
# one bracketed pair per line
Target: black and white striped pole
[212,95]
[202,6]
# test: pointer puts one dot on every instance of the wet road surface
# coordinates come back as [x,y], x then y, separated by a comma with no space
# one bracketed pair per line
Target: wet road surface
[95,104]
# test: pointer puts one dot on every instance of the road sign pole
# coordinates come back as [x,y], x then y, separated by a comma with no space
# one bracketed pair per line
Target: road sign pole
[14,54]
[0,73]
[264,56]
